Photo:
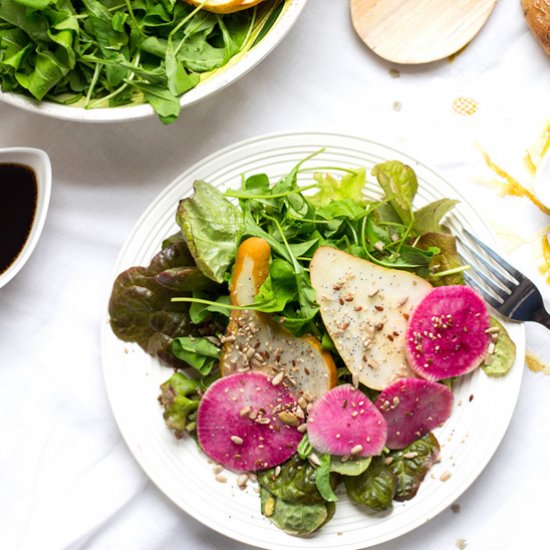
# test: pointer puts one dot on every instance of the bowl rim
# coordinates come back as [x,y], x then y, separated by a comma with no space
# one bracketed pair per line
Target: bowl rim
[236,68]
[39,161]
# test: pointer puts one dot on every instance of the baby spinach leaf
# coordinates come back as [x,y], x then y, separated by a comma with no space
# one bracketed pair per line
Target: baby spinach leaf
[411,464]
[352,467]
[212,227]
[296,481]
[293,518]
[374,488]
[399,183]
[323,479]
[502,359]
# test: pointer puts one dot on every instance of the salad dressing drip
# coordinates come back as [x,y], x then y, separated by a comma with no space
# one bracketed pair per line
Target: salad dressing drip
[18,199]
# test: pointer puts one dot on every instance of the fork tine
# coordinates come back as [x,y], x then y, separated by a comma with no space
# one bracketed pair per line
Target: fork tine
[500,261]
[497,289]
[494,270]
[487,297]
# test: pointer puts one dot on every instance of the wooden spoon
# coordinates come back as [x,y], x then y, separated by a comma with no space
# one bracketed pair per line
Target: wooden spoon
[418,31]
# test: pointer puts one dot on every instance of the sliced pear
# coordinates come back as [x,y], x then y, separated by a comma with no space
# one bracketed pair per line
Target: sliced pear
[254,341]
[365,309]
[224,6]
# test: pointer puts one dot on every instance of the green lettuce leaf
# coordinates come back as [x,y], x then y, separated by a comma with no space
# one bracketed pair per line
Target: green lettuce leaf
[211,226]
[141,309]
[428,218]
[180,400]
[505,352]
[447,258]
[331,189]
[399,183]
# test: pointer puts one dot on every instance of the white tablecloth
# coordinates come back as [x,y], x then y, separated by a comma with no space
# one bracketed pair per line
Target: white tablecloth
[66,476]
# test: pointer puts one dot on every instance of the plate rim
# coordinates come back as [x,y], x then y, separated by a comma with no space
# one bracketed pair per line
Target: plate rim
[268,138]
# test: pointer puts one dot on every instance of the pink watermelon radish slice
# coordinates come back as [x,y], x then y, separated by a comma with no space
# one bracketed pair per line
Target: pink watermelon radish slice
[246,423]
[447,333]
[345,422]
[413,407]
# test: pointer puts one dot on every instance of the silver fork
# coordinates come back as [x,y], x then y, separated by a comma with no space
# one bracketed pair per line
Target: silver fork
[510,292]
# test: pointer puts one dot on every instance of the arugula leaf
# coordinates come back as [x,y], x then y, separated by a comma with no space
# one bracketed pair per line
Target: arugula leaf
[98,53]
[179,80]
[344,208]
[278,289]
[165,103]
[47,73]
[200,312]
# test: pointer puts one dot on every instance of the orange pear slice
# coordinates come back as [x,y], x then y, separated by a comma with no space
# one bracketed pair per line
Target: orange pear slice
[254,341]
[365,309]
[224,6]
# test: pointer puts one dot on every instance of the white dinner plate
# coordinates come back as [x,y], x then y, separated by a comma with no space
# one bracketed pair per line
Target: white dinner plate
[219,79]
[482,410]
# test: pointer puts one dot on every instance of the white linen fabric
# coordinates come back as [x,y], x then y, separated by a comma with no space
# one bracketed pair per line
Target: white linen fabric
[68,481]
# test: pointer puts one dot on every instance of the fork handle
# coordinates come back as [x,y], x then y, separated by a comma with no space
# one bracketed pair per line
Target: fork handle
[541,316]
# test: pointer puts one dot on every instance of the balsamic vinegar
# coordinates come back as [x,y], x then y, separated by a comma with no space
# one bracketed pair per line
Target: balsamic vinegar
[18,200]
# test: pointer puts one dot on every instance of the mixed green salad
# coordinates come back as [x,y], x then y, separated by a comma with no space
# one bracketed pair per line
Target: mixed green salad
[109,53]
[259,302]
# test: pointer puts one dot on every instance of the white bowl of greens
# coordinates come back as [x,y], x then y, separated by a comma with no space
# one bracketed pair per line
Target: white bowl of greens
[106,61]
